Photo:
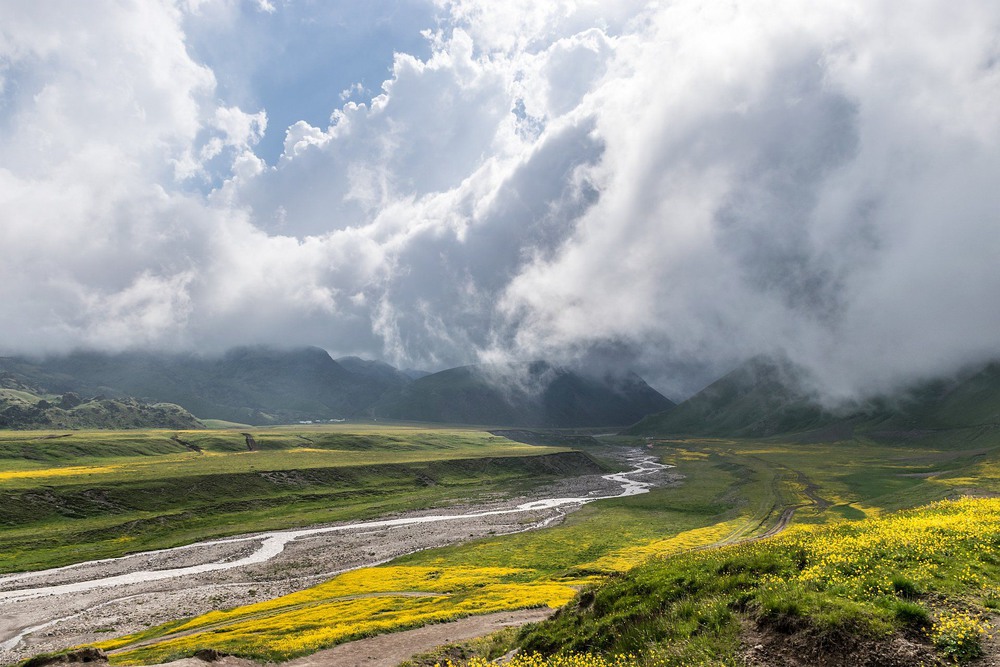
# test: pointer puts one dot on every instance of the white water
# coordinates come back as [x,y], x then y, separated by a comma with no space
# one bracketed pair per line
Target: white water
[273,543]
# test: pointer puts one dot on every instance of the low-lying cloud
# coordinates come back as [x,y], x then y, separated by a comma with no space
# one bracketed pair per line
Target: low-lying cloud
[675,186]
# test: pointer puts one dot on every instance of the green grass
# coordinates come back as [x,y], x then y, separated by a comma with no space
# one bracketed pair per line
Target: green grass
[101,494]
[927,574]
[223,424]
[862,475]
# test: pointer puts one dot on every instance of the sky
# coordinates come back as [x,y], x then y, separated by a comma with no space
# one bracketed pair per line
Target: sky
[669,186]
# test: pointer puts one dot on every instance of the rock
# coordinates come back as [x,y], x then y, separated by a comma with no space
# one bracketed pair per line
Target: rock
[209,654]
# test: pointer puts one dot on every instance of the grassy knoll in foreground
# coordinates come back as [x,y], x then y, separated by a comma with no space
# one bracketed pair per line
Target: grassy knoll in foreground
[924,577]
[68,497]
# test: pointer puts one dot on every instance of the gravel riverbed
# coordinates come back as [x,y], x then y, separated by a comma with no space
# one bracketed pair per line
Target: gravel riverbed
[57,609]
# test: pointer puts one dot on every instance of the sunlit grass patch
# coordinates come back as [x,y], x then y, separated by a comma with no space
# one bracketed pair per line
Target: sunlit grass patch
[630,557]
[901,572]
[355,604]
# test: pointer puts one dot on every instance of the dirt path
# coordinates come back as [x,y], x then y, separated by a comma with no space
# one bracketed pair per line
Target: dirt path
[783,521]
[391,649]
[388,650]
[810,490]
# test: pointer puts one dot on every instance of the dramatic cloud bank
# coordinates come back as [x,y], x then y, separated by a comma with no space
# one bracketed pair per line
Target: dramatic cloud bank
[676,186]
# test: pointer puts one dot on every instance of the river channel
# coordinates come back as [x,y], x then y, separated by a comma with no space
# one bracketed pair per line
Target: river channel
[52,609]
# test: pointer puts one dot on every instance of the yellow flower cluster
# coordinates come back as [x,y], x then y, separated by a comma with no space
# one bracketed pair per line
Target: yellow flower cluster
[867,559]
[959,634]
[625,559]
[355,604]
[366,581]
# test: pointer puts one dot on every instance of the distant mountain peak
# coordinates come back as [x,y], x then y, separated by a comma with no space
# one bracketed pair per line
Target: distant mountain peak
[536,393]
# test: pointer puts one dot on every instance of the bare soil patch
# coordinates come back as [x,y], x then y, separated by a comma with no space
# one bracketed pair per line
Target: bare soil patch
[808,647]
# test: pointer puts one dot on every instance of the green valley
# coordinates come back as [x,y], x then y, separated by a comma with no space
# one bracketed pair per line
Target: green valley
[735,492]
[873,528]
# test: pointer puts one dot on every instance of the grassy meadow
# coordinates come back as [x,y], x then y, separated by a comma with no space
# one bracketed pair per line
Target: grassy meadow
[69,497]
[928,575]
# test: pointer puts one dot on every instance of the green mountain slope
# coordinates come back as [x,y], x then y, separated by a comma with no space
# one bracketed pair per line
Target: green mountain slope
[765,397]
[537,394]
[22,409]
[761,397]
[256,385]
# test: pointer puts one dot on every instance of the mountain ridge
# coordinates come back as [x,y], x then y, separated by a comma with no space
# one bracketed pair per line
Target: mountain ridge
[22,408]
[766,397]
[536,394]
[263,385]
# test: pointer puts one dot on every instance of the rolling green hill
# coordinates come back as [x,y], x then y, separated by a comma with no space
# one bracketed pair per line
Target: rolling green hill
[764,397]
[254,385]
[759,398]
[23,409]
[537,394]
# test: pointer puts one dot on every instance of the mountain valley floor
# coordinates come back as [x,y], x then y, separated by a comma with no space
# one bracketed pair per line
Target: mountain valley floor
[733,491]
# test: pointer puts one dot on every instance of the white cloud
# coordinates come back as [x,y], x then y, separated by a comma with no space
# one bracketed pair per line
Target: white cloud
[679,185]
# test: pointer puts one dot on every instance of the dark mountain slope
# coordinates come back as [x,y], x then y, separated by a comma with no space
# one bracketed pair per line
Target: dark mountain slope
[261,385]
[538,395]
[761,397]
[379,375]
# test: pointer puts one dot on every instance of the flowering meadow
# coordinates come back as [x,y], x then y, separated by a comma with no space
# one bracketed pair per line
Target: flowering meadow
[355,604]
[931,574]
[537,660]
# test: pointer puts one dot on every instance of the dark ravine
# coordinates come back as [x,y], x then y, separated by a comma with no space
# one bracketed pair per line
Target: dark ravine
[193,447]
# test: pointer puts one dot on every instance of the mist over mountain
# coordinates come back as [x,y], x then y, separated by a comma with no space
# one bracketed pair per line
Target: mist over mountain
[766,397]
[536,394]
[684,184]
[263,385]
